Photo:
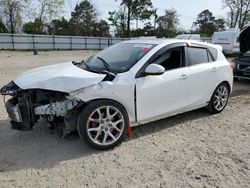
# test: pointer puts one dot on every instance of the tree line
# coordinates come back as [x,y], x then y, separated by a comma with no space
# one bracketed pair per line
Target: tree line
[84,19]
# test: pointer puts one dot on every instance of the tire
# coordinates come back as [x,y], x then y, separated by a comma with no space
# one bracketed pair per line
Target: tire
[219,99]
[236,79]
[103,124]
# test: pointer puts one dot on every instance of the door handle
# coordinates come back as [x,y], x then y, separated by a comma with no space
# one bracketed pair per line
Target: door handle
[214,69]
[184,77]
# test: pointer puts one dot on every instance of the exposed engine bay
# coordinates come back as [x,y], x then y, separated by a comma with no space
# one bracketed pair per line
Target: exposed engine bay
[26,107]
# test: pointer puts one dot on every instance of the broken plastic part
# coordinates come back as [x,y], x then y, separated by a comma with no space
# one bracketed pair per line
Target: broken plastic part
[129,130]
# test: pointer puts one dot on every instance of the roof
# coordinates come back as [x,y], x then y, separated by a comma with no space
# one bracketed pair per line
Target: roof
[150,41]
[168,41]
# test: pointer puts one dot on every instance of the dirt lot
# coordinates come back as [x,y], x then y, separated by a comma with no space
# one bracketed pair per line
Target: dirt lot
[195,149]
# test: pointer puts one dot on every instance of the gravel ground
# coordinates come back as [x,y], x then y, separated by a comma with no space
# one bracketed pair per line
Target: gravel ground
[195,149]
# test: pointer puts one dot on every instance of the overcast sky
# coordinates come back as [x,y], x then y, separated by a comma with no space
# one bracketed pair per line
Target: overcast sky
[187,9]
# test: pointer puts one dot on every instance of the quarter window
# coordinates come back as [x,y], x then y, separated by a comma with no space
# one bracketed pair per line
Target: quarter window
[214,52]
[197,56]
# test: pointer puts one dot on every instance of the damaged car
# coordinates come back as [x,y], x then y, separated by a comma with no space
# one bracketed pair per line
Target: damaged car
[125,85]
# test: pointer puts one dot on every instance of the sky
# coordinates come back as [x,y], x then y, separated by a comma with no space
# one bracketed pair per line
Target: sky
[186,9]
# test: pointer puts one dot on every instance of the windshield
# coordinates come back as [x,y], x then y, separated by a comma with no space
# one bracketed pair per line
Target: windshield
[118,58]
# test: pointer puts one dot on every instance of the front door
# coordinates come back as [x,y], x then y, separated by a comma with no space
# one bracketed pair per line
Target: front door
[166,94]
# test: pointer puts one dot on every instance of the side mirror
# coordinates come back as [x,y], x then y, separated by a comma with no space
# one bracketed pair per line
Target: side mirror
[154,69]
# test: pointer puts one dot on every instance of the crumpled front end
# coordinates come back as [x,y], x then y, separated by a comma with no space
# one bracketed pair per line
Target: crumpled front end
[18,107]
[26,107]
[43,93]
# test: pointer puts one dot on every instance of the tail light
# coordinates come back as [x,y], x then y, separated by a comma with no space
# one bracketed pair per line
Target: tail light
[232,65]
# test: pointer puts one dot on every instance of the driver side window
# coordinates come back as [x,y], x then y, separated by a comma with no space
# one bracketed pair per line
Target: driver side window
[170,59]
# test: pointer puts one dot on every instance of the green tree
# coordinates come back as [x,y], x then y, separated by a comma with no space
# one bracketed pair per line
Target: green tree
[44,11]
[101,29]
[147,30]
[220,24]
[239,12]
[167,24]
[206,23]
[3,29]
[10,11]
[137,10]
[83,18]
[33,27]
[60,27]
[119,21]
[30,28]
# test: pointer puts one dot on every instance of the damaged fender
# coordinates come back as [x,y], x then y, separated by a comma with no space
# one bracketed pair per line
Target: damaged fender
[121,90]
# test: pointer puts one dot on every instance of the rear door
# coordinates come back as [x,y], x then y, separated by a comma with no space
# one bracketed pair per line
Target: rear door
[203,75]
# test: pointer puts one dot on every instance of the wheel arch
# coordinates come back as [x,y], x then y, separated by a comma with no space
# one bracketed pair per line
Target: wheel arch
[84,104]
[227,83]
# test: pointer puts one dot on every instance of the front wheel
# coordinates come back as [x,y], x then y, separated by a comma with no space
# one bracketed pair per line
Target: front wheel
[103,124]
[219,99]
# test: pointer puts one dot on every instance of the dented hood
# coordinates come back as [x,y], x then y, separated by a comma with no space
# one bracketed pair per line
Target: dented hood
[65,77]
[245,40]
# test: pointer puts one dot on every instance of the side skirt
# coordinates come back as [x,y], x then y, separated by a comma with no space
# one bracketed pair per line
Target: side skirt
[135,124]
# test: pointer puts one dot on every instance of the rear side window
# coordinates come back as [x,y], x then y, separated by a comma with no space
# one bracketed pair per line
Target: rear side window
[197,56]
[214,52]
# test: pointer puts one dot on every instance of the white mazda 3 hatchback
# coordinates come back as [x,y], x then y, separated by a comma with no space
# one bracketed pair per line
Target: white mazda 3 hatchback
[128,84]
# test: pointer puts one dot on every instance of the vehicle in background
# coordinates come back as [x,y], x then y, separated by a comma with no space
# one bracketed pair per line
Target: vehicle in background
[242,62]
[189,37]
[229,40]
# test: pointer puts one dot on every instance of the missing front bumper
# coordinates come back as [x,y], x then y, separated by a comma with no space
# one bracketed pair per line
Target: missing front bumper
[13,112]
[16,117]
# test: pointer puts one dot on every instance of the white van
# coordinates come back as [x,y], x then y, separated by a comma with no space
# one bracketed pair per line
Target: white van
[189,37]
[229,40]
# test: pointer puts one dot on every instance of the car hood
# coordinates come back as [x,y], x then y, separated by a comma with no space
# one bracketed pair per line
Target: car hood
[65,77]
[245,40]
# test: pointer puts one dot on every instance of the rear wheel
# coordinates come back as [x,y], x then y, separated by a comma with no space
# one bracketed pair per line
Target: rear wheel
[219,99]
[103,124]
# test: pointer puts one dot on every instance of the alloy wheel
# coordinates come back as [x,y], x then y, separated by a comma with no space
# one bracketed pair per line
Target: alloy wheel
[220,98]
[105,125]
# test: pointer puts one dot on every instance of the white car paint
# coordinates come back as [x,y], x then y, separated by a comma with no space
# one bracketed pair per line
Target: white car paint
[161,95]
[196,37]
[145,99]
[64,77]
[121,89]
[204,78]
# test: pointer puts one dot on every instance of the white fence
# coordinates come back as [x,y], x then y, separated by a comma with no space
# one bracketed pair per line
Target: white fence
[55,42]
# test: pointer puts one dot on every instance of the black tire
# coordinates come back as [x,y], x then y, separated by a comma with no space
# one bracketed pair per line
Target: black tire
[236,79]
[83,122]
[211,106]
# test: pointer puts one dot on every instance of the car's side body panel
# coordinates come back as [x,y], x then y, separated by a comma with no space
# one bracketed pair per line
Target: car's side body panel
[163,94]
[225,70]
[120,90]
[203,80]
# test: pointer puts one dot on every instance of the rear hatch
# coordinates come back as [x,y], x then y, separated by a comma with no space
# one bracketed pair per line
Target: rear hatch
[245,40]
